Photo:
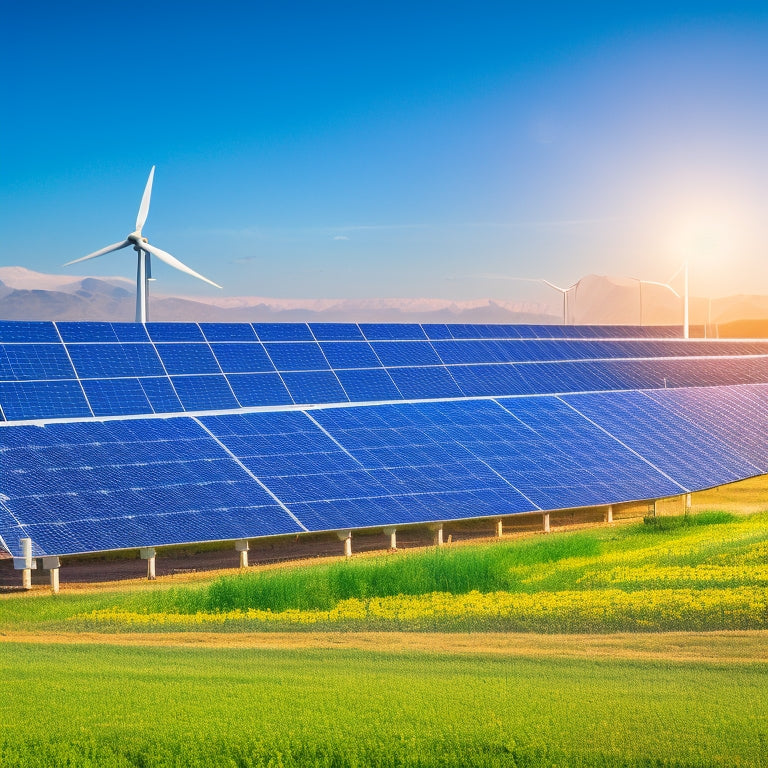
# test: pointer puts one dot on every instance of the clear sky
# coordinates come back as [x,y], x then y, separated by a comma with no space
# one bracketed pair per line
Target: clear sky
[437,149]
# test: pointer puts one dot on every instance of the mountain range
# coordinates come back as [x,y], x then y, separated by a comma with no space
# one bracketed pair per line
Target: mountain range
[595,299]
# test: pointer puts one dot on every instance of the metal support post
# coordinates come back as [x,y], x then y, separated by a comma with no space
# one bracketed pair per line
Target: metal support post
[148,554]
[392,533]
[438,530]
[545,522]
[499,528]
[608,514]
[687,503]
[346,537]
[242,547]
[53,564]
[25,563]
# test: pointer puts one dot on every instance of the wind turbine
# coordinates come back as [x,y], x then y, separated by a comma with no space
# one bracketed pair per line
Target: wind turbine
[564,291]
[144,249]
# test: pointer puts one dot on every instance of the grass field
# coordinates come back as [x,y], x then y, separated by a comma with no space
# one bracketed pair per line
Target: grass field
[104,705]
[168,675]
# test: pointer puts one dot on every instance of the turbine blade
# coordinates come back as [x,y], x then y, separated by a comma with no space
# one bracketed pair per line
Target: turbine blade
[175,263]
[144,207]
[108,249]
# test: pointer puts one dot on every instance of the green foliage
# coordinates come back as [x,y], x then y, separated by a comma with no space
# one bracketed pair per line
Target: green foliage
[694,560]
[457,570]
[664,523]
[86,706]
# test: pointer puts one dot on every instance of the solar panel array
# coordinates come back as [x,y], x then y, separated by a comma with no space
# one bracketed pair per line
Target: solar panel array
[164,476]
[82,370]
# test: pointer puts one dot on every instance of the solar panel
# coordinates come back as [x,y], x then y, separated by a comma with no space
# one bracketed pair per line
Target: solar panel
[336,332]
[677,447]
[228,332]
[85,485]
[242,358]
[466,360]
[204,393]
[43,400]
[27,332]
[95,486]
[295,356]
[283,332]
[259,389]
[350,354]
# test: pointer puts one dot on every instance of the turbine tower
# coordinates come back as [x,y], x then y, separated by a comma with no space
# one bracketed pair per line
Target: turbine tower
[143,250]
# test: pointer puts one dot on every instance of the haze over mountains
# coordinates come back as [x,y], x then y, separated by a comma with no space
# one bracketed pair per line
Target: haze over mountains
[28,295]
[595,299]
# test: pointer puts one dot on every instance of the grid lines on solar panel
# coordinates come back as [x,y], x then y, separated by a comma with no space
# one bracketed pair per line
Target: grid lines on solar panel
[328,487]
[677,447]
[109,485]
[732,414]
[582,466]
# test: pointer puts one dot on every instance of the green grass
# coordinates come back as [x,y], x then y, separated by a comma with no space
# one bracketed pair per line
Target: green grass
[705,552]
[84,705]
[110,706]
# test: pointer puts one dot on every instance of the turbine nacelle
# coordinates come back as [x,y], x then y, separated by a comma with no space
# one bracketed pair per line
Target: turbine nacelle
[136,239]
[144,250]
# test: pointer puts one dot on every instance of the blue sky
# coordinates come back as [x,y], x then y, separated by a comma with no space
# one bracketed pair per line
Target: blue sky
[404,149]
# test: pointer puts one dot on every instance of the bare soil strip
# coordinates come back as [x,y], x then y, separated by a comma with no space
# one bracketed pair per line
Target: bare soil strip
[707,647]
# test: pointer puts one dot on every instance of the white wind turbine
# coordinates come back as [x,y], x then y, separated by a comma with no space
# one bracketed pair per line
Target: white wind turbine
[144,249]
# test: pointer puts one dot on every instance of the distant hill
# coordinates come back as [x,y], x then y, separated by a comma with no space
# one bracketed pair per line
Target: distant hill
[595,299]
[28,295]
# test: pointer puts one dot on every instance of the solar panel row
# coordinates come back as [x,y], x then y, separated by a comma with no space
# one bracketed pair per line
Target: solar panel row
[93,486]
[48,332]
[186,367]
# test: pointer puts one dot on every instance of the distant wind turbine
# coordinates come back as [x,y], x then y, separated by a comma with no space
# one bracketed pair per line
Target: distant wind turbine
[564,291]
[144,249]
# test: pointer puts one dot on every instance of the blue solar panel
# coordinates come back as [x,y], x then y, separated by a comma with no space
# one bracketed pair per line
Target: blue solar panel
[731,414]
[170,332]
[351,354]
[400,463]
[283,332]
[38,361]
[391,332]
[130,332]
[254,389]
[87,332]
[228,332]
[368,384]
[489,380]
[663,438]
[43,400]
[114,360]
[161,394]
[204,393]
[187,358]
[110,397]
[314,387]
[293,356]
[79,497]
[15,331]
[336,332]
[6,369]
[242,358]
[437,331]
[406,353]
[419,383]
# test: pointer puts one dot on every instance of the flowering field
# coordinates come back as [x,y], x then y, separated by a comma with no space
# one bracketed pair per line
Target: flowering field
[115,678]
[709,574]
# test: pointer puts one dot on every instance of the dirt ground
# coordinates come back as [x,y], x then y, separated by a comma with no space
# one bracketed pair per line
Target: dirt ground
[686,647]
